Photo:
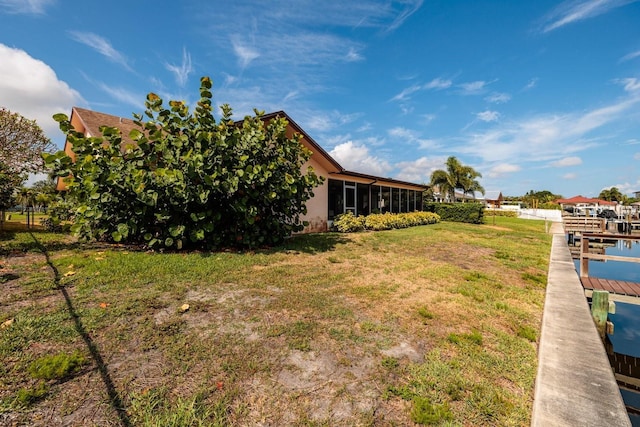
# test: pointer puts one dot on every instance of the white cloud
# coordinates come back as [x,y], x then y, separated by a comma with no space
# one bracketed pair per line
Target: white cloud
[281,43]
[353,55]
[435,84]
[402,133]
[531,84]
[246,54]
[409,8]
[293,94]
[567,161]
[498,98]
[428,144]
[325,121]
[630,84]
[404,95]
[569,176]
[630,56]
[542,138]
[636,156]
[365,127]
[473,88]
[503,169]
[406,110]
[571,11]
[183,70]
[488,116]
[419,170]
[438,83]
[36,7]
[31,88]
[357,158]
[124,95]
[428,118]
[100,45]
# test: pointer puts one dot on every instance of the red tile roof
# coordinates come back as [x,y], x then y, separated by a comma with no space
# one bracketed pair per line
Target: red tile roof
[585,200]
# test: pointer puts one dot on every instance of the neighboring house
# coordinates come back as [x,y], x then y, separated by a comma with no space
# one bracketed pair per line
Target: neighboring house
[585,205]
[342,191]
[440,197]
[493,199]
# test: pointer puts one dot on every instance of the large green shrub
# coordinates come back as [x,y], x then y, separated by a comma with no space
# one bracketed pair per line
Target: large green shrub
[458,212]
[187,179]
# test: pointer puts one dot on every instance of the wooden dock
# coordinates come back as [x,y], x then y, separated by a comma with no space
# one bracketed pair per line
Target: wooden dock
[583,224]
[628,291]
[618,287]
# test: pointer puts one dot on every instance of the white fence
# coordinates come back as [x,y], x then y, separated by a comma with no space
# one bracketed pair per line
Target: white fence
[545,214]
[553,215]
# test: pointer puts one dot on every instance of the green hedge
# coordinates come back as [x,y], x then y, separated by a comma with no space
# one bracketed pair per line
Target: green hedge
[349,223]
[458,212]
[495,212]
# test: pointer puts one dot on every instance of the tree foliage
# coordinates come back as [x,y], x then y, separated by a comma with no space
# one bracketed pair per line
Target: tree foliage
[536,199]
[22,142]
[8,182]
[612,194]
[185,179]
[456,176]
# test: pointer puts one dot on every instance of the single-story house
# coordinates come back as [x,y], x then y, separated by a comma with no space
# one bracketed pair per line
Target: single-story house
[342,190]
[493,199]
[586,205]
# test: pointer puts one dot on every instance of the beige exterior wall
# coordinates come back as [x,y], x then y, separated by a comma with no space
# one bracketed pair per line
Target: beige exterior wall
[317,211]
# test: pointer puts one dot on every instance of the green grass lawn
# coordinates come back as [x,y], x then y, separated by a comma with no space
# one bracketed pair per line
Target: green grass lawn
[429,325]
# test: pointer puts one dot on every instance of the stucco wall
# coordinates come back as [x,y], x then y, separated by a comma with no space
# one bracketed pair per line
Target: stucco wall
[317,211]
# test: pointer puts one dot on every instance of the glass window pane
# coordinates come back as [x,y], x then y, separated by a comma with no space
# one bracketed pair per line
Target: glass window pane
[395,197]
[350,194]
[376,196]
[364,206]
[385,200]
[336,205]
[404,200]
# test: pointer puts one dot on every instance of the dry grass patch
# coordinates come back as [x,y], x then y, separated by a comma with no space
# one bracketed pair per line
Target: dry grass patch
[433,324]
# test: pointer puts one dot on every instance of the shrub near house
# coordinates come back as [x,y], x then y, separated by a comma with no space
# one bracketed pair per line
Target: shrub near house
[184,179]
[349,223]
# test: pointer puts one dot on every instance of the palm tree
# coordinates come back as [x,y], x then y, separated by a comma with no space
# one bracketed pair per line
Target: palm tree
[612,194]
[26,198]
[447,180]
[43,200]
[469,181]
[456,176]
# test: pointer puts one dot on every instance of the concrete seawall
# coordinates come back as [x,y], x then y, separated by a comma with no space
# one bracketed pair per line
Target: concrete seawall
[575,385]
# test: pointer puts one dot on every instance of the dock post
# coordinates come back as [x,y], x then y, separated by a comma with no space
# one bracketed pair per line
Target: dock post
[584,260]
[600,310]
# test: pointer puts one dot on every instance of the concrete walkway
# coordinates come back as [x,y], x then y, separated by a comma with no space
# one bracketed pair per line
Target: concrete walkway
[575,385]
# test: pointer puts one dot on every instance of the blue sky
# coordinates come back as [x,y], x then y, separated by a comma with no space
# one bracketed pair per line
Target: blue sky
[535,95]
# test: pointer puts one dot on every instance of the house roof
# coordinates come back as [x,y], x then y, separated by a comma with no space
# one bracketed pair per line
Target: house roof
[91,121]
[493,195]
[584,200]
[377,178]
[313,145]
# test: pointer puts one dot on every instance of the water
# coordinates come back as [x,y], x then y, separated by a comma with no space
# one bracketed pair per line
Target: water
[626,336]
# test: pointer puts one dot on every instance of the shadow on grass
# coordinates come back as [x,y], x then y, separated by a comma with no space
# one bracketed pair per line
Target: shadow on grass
[312,243]
[15,242]
[114,398]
